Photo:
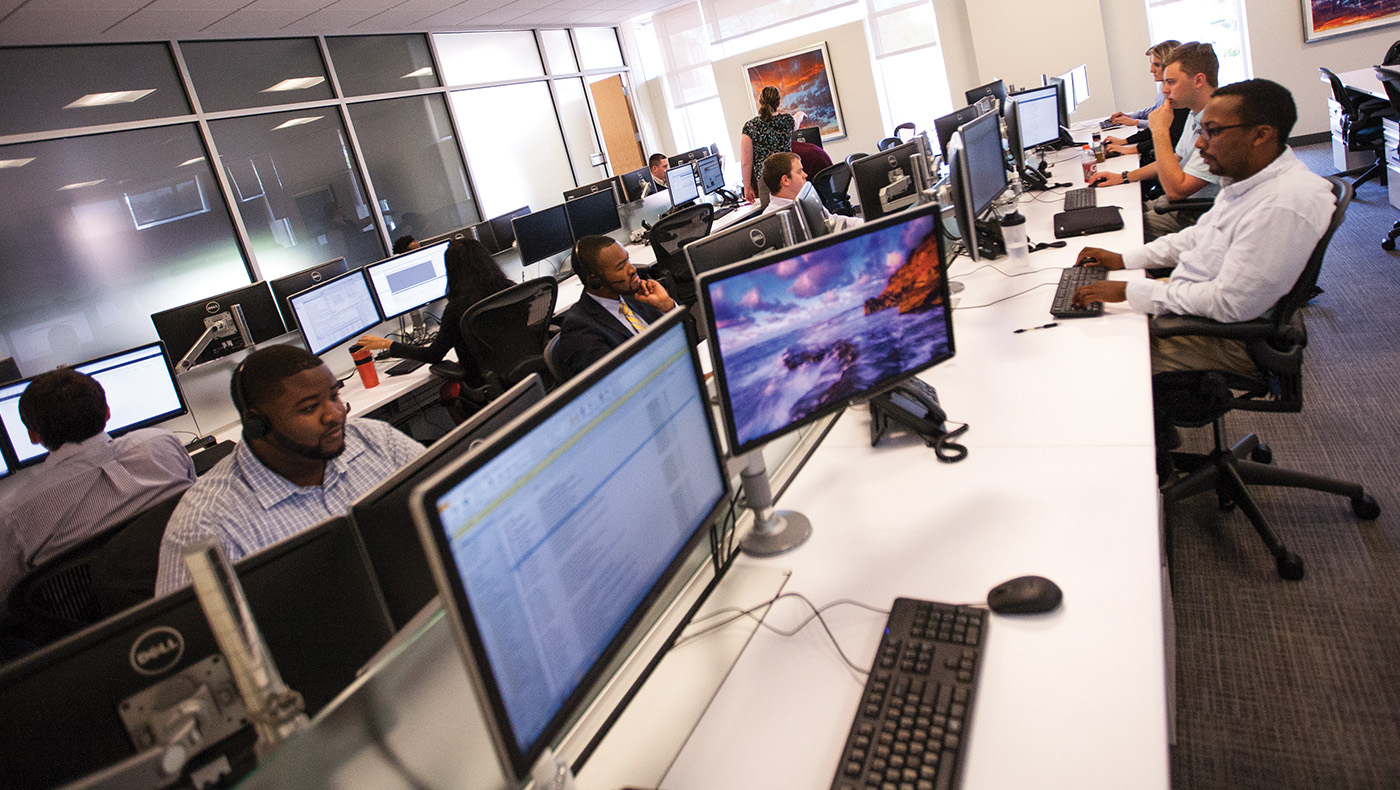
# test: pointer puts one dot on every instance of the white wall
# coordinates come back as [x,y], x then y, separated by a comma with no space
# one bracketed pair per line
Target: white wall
[1126,38]
[855,87]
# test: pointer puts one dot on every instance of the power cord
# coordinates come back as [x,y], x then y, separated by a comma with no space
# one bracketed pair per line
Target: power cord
[736,614]
[1004,298]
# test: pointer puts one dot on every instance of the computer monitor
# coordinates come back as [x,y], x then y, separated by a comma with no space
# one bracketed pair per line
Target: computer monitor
[1066,93]
[541,234]
[284,287]
[889,181]
[139,385]
[410,280]
[1039,110]
[481,231]
[636,184]
[335,311]
[546,557]
[949,123]
[691,156]
[680,182]
[984,160]
[95,698]
[594,214]
[612,184]
[815,218]
[741,241]
[1079,84]
[503,229]
[808,134]
[711,174]
[382,516]
[1011,116]
[180,328]
[963,214]
[995,89]
[800,333]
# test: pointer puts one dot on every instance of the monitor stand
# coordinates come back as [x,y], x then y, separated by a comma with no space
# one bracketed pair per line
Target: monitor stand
[774,531]
[418,328]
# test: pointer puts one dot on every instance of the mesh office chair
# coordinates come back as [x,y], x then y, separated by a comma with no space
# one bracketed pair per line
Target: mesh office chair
[833,185]
[668,236]
[506,333]
[888,143]
[854,157]
[1361,128]
[552,361]
[1390,79]
[899,131]
[1198,398]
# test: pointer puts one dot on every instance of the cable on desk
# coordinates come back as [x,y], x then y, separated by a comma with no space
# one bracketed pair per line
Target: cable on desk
[1004,298]
[376,735]
[993,266]
[816,615]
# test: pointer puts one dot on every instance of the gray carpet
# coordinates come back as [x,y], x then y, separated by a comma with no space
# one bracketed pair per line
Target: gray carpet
[1297,684]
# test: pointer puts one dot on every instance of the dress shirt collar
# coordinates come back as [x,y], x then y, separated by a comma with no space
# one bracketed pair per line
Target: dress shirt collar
[271,488]
[70,449]
[1230,188]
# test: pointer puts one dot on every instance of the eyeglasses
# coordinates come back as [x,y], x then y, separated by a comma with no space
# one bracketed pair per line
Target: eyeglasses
[1208,132]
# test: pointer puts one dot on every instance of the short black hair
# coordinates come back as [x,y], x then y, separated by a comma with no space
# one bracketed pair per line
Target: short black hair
[587,253]
[654,158]
[1264,103]
[264,370]
[401,244]
[63,406]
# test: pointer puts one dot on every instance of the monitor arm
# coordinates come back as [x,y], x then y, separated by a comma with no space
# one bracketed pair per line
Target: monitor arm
[216,328]
[774,531]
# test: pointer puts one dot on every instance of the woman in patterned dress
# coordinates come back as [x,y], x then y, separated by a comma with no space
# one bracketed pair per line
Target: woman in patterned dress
[765,134]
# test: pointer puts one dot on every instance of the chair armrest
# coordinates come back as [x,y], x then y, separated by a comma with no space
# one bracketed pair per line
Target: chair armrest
[1197,205]
[450,371]
[1179,325]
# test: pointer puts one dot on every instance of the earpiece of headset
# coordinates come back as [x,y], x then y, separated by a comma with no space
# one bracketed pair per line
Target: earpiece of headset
[591,279]
[255,426]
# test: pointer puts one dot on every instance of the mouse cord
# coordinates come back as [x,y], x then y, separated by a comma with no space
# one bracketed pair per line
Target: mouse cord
[995,268]
[735,614]
[1004,298]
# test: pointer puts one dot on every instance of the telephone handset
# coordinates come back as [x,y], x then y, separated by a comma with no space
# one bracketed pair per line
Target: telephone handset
[914,405]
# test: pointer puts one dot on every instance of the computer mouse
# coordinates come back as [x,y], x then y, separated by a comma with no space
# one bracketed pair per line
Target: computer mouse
[1112,154]
[1024,595]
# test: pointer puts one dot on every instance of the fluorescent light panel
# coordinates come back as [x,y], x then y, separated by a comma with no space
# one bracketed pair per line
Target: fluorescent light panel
[297,122]
[113,97]
[191,161]
[295,84]
[81,184]
[426,71]
[15,162]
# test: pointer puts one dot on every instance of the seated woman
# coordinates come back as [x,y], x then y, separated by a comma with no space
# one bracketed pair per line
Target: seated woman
[471,276]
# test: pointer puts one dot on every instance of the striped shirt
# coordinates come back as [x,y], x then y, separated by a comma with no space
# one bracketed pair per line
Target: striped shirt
[248,507]
[81,489]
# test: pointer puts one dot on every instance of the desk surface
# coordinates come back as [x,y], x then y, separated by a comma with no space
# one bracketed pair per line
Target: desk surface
[1363,80]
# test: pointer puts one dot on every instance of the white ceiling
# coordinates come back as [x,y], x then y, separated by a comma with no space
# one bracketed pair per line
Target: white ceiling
[103,21]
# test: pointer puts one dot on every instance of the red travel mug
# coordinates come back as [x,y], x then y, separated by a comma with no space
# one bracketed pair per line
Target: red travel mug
[364,362]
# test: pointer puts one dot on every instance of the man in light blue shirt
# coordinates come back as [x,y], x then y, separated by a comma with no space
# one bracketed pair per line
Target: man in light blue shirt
[301,462]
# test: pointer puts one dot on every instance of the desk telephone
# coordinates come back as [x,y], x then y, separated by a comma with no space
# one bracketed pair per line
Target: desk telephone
[913,405]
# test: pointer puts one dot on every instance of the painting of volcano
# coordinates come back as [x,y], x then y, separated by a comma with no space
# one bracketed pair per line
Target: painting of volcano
[801,336]
[1327,18]
[804,80]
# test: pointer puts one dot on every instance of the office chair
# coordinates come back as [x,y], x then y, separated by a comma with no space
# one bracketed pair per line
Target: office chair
[668,236]
[1390,79]
[833,184]
[901,129]
[854,157]
[99,577]
[1198,398]
[552,362]
[506,333]
[888,143]
[1361,128]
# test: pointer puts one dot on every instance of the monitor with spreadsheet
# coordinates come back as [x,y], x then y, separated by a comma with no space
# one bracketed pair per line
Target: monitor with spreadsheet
[741,241]
[612,184]
[680,182]
[335,311]
[949,123]
[541,234]
[711,174]
[409,281]
[1039,115]
[636,184]
[503,230]
[139,385]
[594,214]
[180,328]
[984,161]
[547,559]
[284,287]
[802,332]
[995,89]
[890,180]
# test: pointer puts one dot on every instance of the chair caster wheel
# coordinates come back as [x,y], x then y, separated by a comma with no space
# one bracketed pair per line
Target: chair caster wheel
[1290,566]
[1366,507]
[1263,454]
[1388,245]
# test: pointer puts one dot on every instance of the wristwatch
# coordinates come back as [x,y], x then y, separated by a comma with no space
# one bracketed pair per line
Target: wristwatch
[1126,180]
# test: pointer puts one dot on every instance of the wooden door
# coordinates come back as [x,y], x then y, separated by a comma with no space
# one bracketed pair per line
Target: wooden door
[619,125]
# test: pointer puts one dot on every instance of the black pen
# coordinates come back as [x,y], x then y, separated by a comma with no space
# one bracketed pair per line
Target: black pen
[1033,328]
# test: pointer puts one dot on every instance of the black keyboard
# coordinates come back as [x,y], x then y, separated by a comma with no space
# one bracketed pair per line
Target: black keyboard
[1070,280]
[1086,197]
[406,366]
[720,211]
[912,723]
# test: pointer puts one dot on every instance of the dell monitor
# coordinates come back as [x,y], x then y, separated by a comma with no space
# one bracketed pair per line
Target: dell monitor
[963,214]
[541,234]
[547,559]
[995,90]
[212,321]
[335,311]
[888,181]
[802,332]
[139,385]
[949,123]
[808,134]
[636,184]
[711,174]
[99,696]
[594,214]
[1011,116]
[382,516]
[680,181]
[984,160]
[688,157]
[612,184]
[1066,96]
[1078,78]
[1039,110]
[284,287]
[410,280]
[741,241]
[503,229]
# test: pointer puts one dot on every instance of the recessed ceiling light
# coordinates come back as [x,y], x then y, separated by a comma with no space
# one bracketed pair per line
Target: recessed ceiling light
[426,71]
[191,161]
[114,97]
[295,84]
[297,122]
[15,162]
[82,184]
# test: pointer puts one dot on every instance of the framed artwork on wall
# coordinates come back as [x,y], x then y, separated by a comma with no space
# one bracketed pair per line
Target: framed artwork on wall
[804,81]
[1327,18]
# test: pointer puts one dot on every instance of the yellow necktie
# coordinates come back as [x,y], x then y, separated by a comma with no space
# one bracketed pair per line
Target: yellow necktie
[630,317]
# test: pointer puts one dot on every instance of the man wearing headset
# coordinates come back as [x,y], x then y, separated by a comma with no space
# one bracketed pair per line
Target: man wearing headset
[616,304]
[301,462]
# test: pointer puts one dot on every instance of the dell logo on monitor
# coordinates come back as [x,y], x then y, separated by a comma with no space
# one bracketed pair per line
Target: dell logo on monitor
[157,651]
[315,277]
[756,236]
[212,308]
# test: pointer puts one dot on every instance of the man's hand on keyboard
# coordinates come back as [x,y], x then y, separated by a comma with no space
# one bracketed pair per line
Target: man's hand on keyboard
[1105,291]
[1094,256]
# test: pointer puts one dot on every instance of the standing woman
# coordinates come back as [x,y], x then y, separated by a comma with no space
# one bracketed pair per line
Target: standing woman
[471,276]
[765,134]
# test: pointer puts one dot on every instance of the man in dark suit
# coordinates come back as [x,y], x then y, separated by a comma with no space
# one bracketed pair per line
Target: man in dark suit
[616,305]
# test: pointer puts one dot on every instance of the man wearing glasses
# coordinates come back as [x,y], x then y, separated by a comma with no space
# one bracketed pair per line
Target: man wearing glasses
[1245,253]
